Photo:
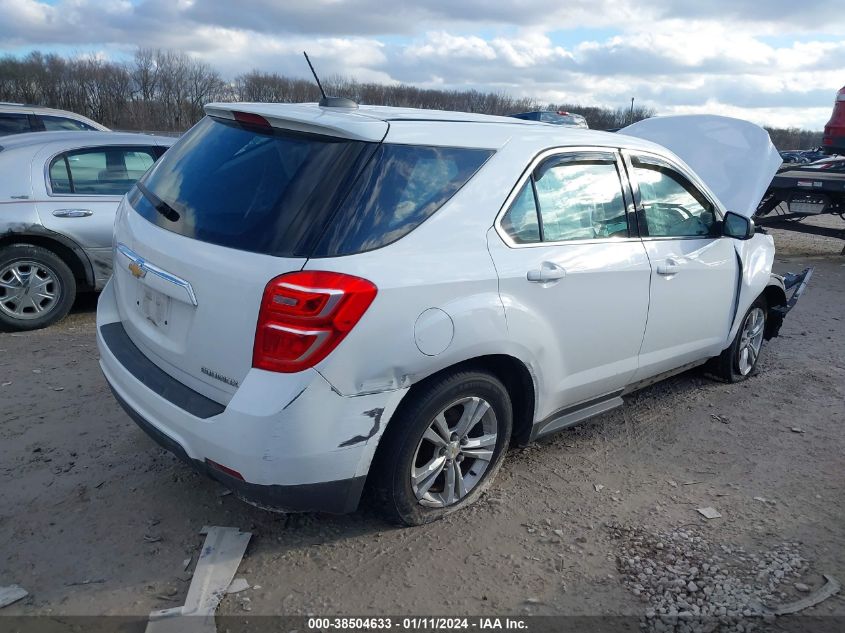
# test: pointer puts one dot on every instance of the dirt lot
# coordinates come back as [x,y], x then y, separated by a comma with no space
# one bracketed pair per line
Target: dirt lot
[96,519]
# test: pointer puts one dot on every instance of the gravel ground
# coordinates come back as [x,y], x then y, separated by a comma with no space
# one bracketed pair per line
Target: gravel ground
[598,520]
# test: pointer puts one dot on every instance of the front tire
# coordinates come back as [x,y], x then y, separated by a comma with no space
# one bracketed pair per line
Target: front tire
[739,361]
[443,448]
[37,288]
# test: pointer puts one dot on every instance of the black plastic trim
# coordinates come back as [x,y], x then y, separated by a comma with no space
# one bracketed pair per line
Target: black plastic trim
[336,497]
[142,368]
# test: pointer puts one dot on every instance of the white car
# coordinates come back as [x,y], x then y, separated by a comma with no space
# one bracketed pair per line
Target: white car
[309,301]
[58,195]
[20,118]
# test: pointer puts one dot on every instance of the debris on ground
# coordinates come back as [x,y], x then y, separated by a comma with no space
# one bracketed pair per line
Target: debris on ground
[87,581]
[218,562]
[238,585]
[709,513]
[598,487]
[691,584]
[831,587]
[796,429]
[11,594]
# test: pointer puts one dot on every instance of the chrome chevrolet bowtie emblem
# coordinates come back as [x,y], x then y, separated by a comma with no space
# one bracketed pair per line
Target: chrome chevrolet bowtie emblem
[136,270]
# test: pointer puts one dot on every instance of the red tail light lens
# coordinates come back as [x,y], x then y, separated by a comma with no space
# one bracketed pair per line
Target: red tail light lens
[305,315]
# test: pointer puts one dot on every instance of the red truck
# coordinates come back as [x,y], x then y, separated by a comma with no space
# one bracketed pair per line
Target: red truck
[834,131]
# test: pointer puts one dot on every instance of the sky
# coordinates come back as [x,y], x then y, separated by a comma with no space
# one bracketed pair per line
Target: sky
[774,62]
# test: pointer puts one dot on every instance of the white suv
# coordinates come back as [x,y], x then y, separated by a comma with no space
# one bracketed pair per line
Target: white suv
[310,300]
[20,118]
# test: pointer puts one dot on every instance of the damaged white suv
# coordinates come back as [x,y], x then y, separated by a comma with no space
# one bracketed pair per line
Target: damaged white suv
[312,301]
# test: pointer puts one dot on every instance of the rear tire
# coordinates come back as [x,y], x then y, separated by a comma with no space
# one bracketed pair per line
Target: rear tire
[37,288]
[739,361]
[424,470]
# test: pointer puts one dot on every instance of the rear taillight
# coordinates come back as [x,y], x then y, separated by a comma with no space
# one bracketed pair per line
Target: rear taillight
[305,315]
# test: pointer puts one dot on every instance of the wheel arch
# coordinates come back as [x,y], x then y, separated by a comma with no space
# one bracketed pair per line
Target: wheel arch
[513,374]
[67,250]
[775,297]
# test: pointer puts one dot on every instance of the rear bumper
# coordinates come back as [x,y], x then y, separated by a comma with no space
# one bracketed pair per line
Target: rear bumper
[834,143]
[337,497]
[296,442]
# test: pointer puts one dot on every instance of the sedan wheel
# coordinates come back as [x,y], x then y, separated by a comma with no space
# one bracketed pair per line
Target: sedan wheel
[28,289]
[37,288]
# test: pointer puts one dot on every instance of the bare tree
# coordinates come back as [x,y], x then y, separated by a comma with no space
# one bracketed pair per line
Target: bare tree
[162,90]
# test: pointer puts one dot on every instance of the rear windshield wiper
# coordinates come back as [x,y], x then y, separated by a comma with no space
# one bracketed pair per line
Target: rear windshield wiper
[158,204]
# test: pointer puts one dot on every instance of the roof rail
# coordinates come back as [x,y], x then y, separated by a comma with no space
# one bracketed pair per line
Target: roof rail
[23,105]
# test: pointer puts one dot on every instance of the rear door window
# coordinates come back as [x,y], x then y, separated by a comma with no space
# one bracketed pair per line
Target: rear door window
[104,171]
[581,200]
[568,198]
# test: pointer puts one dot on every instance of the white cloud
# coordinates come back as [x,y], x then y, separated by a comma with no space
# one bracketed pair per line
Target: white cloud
[723,55]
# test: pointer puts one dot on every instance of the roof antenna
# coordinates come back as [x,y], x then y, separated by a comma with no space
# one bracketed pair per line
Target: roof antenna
[325,101]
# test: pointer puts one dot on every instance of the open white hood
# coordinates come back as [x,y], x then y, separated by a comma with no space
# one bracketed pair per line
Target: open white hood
[734,158]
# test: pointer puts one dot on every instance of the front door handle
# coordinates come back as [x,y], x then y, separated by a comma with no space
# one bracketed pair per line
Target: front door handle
[72,213]
[547,272]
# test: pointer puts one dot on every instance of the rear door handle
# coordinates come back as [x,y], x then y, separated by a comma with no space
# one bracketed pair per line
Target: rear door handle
[72,213]
[670,266]
[547,272]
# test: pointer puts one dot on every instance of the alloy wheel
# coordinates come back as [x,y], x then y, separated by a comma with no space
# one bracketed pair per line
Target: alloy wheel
[454,452]
[751,340]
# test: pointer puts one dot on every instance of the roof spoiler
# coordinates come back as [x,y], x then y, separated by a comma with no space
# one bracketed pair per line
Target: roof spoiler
[303,117]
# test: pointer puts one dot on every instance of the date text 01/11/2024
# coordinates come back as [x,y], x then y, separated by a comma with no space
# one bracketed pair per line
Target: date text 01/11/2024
[429,623]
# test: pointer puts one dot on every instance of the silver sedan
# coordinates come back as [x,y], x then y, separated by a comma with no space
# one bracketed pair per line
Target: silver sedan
[58,195]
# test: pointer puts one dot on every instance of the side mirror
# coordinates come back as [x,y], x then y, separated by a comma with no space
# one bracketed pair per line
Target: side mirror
[737,226]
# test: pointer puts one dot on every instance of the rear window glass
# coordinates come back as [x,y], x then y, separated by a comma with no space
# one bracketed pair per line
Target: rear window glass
[250,188]
[290,194]
[400,188]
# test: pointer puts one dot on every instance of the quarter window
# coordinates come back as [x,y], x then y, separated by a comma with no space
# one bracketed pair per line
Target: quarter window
[671,205]
[575,199]
[521,220]
[57,123]
[400,188]
[14,123]
[100,171]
